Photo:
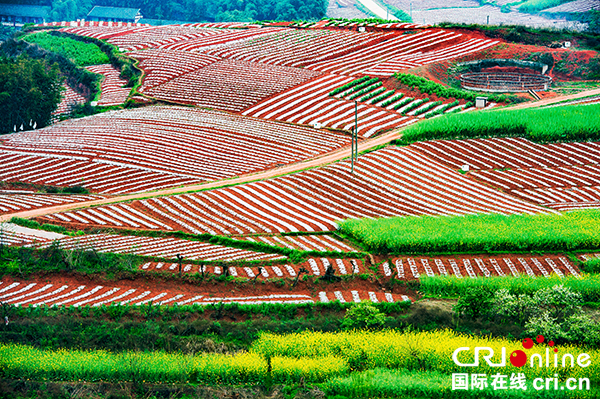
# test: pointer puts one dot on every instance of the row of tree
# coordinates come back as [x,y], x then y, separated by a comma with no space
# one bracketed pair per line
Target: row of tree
[194,10]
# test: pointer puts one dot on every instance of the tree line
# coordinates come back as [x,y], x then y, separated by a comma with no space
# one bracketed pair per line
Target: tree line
[194,10]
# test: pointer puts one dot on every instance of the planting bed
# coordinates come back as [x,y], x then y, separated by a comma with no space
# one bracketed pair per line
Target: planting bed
[14,238]
[69,99]
[113,87]
[161,66]
[306,242]
[224,37]
[297,48]
[167,248]
[314,266]
[11,203]
[403,50]
[562,176]
[229,85]
[464,266]
[154,147]
[394,181]
[56,291]
[310,103]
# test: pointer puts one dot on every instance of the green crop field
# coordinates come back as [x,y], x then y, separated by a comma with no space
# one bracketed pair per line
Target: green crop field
[82,54]
[569,123]
[491,232]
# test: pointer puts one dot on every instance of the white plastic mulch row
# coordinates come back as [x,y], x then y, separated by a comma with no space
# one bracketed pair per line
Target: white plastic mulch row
[37,294]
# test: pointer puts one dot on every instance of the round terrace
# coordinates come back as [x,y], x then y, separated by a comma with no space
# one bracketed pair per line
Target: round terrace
[504,81]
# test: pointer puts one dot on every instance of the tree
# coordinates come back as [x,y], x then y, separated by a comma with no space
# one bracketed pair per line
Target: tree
[30,90]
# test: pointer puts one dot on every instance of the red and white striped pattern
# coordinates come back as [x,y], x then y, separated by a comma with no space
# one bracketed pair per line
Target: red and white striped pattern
[315,267]
[394,181]
[161,66]
[562,176]
[69,99]
[424,47]
[389,67]
[360,295]
[161,247]
[112,87]
[305,242]
[309,103]
[160,36]
[154,147]
[296,48]
[11,203]
[35,294]
[230,85]
[10,238]
[224,37]
[104,30]
[472,266]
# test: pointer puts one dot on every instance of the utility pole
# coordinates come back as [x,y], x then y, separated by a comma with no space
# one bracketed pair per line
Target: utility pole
[356,129]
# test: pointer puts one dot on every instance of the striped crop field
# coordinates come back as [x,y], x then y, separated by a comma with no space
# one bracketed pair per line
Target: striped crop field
[403,51]
[313,267]
[69,99]
[113,87]
[167,248]
[395,181]
[230,85]
[56,293]
[561,176]
[310,103]
[11,203]
[296,48]
[321,243]
[160,66]
[149,148]
[472,266]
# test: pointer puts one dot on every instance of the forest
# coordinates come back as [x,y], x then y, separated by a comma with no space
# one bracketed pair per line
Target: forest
[194,10]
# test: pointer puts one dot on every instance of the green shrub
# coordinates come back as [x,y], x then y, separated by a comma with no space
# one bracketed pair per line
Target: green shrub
[591,266]
[363,315]
[392,100]
[474,303]
[382,97]
[348,85]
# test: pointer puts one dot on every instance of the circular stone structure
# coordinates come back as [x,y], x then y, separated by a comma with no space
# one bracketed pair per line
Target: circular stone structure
[504,81]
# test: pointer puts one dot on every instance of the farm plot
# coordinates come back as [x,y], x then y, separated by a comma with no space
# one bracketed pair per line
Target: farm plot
[15,238]
[561,176]
[310,103]
[167,248]
[472,266]
[70,98]
[306,242]
[225,37]
[113,87]
[158,36]
[11,203]
[230,85]
[161,66]
[296,48]
[403,51]
[395,181]
[104,30]
[312,267]
[55,293]
[141,149]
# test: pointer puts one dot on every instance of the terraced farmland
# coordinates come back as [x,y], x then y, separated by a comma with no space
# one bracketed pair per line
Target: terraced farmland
[561,176]
[391,182]
[141,149]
